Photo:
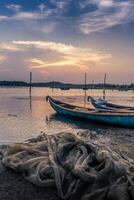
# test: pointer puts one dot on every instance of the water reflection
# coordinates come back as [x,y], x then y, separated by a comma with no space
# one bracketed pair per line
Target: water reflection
[75,123]
[30,102]
[99,129]
[23,116]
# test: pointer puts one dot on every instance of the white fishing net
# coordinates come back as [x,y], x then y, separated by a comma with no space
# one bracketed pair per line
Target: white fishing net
[79,169]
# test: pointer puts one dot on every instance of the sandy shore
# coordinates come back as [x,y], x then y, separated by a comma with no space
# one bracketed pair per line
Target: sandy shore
[14,187]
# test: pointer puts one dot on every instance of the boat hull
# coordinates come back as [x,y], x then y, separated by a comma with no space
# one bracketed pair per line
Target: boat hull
[108,106]
[109,119]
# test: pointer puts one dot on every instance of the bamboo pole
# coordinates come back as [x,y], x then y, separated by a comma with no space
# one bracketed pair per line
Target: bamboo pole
[30,91]
[85,91]
[104,87]
[30,84]
[52,86]
[92,85]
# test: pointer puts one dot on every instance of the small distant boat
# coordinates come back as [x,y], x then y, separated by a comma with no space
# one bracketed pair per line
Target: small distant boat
[65,88]
[124,119]
[104,105]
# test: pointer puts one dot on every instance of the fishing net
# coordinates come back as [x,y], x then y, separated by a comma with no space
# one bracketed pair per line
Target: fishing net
[79,169]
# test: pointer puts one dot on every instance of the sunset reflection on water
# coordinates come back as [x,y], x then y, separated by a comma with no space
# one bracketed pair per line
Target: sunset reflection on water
[22,117]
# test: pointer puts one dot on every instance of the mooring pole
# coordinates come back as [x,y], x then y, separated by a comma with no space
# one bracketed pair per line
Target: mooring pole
[104,87]
[30,84]
[30,91]
[92,85]
[52,86]
[85,91]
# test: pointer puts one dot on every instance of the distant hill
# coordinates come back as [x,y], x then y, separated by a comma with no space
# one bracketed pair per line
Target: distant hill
[13,83]
[66,86]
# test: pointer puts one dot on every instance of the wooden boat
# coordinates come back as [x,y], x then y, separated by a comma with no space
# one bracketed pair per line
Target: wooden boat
[124,119]
[65,88]
[104,105]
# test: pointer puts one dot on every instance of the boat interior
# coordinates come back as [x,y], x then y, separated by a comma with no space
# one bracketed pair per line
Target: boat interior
[85,109]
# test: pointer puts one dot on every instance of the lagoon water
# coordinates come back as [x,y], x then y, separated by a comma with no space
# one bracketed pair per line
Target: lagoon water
[22,118]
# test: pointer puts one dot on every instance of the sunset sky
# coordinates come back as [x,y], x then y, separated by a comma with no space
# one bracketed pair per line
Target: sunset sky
[62,39]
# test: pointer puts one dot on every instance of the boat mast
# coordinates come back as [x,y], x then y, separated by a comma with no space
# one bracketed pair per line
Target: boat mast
[85,91]
[104,87]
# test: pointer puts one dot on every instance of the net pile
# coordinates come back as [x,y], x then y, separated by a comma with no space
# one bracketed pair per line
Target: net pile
[79,169]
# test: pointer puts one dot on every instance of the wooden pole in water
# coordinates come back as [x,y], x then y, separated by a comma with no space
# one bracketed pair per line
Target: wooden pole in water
[104,89]
[30,91]
[30,84]
[52,86]
[85,91]
[92,85]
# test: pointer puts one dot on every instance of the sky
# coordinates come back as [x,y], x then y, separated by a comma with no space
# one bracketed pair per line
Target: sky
[60,40]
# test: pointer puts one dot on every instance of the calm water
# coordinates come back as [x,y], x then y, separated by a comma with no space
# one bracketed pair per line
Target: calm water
[21,119]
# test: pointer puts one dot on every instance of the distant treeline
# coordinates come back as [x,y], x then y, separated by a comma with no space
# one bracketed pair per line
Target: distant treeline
[66,86]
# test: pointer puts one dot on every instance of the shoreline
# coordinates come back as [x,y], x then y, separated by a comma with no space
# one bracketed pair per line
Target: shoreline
[68,86]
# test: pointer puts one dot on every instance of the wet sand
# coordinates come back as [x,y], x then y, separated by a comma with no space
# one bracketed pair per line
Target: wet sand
[14,187]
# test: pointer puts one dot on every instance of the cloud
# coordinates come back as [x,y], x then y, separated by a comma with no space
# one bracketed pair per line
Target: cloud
[39,18]
[2,58]
[61,4]
[35,63]
[106,3]
[14,7]
[59,47]
[9,46]
[21,15]
[109,14]
[85,16]
[3,18]
[48,28]
[27,16]
[42,7]
[48,58]
[68,55]
[40,64]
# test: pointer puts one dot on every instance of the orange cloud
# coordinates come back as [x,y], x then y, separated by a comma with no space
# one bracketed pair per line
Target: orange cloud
[82,58]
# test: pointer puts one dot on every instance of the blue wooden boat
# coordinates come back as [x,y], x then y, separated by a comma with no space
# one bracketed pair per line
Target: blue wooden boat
[124,119]
[104,105]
